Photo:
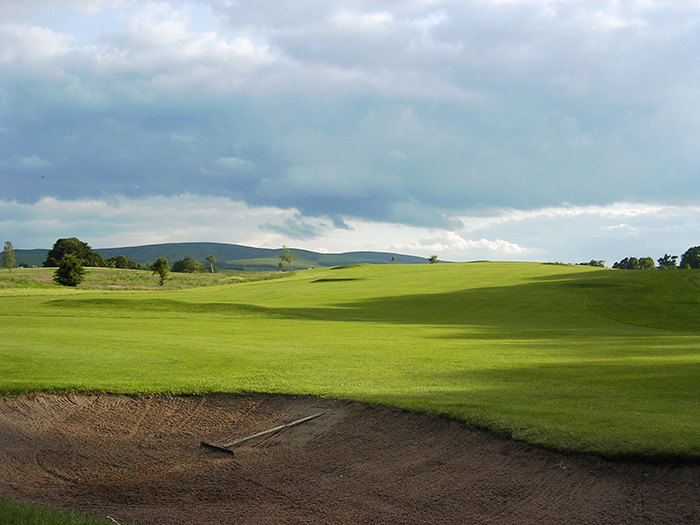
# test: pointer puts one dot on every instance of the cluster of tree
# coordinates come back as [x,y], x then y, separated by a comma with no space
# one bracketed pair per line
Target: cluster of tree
[187,265]
[161,267]
[79,249]
[632,263]
[667,262]
[598,263]
[190,265]
[85,255]
[123,262]
[69,256]
[689,260]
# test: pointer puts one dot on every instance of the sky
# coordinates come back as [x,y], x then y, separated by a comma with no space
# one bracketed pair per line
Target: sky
[533,130]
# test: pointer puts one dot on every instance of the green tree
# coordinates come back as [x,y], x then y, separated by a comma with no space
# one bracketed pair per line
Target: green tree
[433,259]
[70,271]
[162,268]
[122,261]
[646,263]
[8,256]
[211,259]
[667,262]
[691,258]
[628,263]
[287,256]
[632,263]
[187,265]
[73,246]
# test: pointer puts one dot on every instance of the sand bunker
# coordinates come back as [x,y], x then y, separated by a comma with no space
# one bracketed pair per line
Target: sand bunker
[140,459]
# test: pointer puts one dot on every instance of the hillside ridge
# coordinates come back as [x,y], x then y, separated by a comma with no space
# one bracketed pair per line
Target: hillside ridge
[233,256]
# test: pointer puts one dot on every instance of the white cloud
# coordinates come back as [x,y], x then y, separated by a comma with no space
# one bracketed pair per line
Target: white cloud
[183,137]
[455,244]
[234,163]
[122,221]
[397,154]
[572,235]
[32,162]
[580,233]
[28,46]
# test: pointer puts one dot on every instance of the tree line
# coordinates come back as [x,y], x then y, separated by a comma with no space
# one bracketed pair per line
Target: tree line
[689,260]
[70,256]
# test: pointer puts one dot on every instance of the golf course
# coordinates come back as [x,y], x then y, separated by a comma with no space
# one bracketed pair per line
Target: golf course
[569,359]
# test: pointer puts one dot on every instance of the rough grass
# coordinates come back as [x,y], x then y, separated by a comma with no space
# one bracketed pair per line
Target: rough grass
[570,358]
[24,513]
[118,279]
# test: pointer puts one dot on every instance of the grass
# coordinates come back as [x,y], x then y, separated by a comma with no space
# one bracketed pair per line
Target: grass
[570,358]
[118,279]
[24,513]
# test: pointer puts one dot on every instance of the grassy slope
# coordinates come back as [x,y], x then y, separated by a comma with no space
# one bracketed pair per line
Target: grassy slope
[571,358]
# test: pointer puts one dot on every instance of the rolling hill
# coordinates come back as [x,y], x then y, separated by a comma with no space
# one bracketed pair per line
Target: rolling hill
[232,256]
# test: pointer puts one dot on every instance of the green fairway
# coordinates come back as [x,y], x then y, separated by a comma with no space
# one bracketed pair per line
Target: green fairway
[572,358]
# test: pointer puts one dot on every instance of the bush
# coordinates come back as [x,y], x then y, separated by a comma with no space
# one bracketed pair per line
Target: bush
[160,267]
[122,261]
[188,265]
[69,272]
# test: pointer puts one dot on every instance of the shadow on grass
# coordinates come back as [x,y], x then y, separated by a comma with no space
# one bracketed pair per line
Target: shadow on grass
[624,409]
[337,280]
[102,306]
[544,307]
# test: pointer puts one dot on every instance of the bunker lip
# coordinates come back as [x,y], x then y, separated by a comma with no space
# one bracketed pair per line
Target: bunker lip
[140,459]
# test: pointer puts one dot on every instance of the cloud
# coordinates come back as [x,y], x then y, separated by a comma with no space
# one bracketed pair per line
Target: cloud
[25,163]
[122,221]
[297,228]
[426,114]
[453,243]
[566,234]
[183,137]
[580,233]
[234,163]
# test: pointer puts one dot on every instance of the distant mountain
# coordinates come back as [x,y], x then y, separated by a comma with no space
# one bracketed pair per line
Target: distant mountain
[232,256]
[31,257]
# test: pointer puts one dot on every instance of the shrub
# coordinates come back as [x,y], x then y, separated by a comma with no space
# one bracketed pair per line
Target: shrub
[160,267]
[188,265]
[69,272]
[122,261]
